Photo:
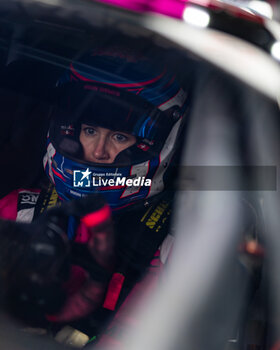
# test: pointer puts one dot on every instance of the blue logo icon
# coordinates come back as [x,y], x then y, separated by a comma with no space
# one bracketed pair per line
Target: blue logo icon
[82,178]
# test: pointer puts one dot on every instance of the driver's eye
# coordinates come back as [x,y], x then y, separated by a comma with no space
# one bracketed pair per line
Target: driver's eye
[89,131]
[120,137]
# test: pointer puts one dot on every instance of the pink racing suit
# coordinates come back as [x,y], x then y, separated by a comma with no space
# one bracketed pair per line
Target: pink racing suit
[20,205]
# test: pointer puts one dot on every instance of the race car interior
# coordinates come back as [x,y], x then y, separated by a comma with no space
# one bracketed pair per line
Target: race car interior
[35,51]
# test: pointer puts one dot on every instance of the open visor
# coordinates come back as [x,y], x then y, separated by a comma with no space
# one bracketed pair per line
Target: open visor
[110,108]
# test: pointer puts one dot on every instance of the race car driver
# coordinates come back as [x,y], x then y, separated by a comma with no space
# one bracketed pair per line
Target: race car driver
[114,131]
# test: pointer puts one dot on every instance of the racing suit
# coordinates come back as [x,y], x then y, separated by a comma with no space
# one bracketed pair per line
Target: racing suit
[138,236]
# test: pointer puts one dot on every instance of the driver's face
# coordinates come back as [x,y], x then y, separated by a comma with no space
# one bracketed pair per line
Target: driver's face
[103,145]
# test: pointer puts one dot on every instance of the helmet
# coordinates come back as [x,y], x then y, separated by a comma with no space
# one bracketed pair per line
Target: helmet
[119,90]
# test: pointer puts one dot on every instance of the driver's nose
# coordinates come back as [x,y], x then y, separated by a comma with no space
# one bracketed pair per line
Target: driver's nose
[100,148]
